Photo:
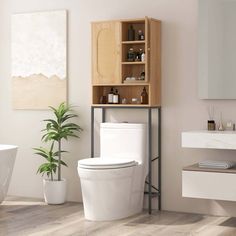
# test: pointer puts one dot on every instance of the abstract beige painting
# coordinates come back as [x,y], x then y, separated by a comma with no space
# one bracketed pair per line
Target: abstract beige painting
[39,59]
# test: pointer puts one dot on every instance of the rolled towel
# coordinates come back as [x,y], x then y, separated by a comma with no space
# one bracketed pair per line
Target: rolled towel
[216,164]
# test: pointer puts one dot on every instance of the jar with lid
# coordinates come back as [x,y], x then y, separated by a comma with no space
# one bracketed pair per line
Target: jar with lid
[131,55]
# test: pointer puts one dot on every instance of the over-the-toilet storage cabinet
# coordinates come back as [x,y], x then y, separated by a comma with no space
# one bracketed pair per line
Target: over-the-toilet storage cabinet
[216,184]
[110,67]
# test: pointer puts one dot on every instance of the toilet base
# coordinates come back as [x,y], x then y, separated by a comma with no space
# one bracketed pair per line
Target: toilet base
[112,194]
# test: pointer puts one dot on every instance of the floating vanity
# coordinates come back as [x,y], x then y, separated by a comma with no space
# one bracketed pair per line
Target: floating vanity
[209,183]
[209,139]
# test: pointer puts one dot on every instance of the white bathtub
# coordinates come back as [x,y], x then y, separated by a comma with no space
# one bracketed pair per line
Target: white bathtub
[7,160]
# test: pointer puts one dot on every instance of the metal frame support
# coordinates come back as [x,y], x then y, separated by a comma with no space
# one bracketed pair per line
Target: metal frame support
[92,132]
[150,160]
[152,190]
[159,157]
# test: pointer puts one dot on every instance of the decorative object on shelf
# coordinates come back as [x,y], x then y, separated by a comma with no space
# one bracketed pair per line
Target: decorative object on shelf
[56,130]
[143,56]
[130,79]
[139,54]
[110,96]
[131,55]
[134,101]
[116,97]
[103,99]
[131,33]
[140,35]
[124,101]
[39,58]
[144,96]
[230,126]
[211,125]
[142,75]
[221,126]
[216,164]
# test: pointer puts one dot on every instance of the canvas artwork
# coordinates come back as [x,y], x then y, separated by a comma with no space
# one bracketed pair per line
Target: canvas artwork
[39,59]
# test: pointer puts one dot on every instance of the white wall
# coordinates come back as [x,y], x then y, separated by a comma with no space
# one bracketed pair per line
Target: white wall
[182,110]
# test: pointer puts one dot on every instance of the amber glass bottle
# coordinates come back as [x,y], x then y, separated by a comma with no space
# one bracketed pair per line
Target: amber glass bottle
[144,96]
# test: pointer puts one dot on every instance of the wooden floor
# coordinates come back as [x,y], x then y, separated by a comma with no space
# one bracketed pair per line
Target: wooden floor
[21,216]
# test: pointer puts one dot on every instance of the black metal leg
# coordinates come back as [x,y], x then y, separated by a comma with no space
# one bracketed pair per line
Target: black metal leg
[103,115]
[150,160]
[159,159]
[92,132]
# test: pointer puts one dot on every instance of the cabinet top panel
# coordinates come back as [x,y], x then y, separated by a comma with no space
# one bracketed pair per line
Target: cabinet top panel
[137,20]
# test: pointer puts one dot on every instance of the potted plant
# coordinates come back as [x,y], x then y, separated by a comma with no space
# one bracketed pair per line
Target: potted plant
[55,131]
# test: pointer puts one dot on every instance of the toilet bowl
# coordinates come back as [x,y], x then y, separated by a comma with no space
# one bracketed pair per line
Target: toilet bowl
[113,184]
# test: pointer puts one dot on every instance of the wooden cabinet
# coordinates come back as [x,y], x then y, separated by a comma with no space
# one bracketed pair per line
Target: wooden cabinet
[112,66]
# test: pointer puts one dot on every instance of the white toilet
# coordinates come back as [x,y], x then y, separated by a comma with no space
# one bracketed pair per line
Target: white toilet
[113,185]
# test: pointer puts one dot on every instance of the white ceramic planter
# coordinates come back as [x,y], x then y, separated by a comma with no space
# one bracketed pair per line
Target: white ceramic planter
[54,191]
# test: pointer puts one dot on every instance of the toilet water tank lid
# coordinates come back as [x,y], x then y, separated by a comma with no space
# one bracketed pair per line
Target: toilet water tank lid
[110,125]
[105,163]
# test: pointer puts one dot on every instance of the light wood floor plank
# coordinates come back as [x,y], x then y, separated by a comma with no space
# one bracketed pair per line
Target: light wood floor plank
[32,217]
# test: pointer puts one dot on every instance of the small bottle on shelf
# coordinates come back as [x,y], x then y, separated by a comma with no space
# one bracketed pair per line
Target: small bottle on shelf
[143,56]
[144,96]
[103,98]
[139,54]
[131,33]
[142,75]
[140,35]
[116,97]
[110,96]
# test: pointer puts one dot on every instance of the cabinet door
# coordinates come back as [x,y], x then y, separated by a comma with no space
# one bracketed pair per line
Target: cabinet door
[106,56]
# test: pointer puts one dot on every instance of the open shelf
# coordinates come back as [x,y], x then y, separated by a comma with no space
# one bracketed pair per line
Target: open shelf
[137,25]
[127,92]
[195,167]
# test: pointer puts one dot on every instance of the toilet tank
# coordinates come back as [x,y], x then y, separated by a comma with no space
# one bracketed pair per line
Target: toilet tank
[123,140]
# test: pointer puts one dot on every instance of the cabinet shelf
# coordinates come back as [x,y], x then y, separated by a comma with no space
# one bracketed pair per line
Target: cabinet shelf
[124,105]
[123,84]
[134,42]
[133,63]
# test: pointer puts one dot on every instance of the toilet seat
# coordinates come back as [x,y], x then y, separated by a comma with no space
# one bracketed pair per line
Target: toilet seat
[103,163]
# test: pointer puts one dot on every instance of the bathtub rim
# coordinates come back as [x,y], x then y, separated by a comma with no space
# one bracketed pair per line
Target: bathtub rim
[4,147]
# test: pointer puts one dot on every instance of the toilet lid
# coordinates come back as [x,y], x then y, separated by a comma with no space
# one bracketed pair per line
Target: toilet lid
[103,163]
